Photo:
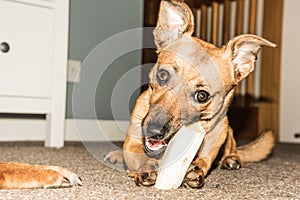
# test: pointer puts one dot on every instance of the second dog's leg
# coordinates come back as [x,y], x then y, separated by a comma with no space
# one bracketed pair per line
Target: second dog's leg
[18,175]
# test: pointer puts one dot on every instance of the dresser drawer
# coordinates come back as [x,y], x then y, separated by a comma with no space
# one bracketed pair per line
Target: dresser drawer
[26,55]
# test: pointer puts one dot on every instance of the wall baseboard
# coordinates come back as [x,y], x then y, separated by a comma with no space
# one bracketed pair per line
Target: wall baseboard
[95,130]
[75,130]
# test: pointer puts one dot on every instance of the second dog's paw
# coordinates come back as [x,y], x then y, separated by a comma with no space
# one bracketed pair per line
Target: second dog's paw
[19,176]
[64,178]
[114,157]
[231,162]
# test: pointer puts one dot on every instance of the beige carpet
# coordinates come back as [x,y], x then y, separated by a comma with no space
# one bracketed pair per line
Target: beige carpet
[275,178]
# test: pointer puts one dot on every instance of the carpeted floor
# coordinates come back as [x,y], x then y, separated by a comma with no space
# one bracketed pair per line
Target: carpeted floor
[275,178]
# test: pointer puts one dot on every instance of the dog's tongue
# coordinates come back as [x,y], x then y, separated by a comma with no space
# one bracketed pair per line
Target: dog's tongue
[155,144]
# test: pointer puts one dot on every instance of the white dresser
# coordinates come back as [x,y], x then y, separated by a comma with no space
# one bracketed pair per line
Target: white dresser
[33,61]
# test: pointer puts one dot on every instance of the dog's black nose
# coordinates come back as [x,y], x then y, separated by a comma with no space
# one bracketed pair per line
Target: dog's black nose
[156,130]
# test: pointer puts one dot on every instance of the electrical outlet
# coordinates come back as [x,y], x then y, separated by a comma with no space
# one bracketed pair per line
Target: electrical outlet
[74,71]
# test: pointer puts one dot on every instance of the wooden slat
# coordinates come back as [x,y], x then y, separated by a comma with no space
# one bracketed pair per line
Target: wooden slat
[252,17]
[150,18]
[151,8]
[226,21]
[215,23]
[190,3]
[268,116]
[239,27]
[250,87]
[204,19]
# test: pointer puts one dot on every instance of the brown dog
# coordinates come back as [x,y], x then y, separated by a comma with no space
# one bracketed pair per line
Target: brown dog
[192,82]
[18,175]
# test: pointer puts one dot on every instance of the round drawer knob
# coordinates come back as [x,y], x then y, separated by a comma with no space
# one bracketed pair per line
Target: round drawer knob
[4,47]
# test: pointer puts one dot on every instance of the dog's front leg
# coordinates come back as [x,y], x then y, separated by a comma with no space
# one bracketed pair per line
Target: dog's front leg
[200,166]
[140,166]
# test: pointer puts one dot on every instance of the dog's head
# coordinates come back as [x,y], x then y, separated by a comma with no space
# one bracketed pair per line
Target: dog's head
[192,79]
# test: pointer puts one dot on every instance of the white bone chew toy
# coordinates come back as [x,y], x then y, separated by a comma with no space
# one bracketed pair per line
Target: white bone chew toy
[178,156]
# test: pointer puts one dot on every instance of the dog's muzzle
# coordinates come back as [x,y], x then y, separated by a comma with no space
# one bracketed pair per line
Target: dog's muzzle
[155,141]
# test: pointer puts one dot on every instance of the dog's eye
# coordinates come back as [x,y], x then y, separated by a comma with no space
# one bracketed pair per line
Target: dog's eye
[202,96]
[162,76]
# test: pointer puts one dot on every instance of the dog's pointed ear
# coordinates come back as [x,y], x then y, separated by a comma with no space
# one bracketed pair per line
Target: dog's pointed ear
[174,19]
[242,51]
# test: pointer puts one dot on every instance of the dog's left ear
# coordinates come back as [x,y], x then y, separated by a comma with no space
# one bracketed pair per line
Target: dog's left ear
[175,18]
[242,51]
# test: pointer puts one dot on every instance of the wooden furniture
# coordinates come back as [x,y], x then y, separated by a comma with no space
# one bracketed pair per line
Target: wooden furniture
[33,61]
[256,105]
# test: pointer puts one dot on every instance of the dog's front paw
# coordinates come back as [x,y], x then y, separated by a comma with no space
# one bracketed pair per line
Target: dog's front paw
[146,175]
[231,162]
[194,177]
[114,157]
[145,179]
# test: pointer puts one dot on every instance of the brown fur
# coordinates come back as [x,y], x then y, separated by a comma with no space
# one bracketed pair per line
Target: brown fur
[192,66]
[19,176]
[258,149]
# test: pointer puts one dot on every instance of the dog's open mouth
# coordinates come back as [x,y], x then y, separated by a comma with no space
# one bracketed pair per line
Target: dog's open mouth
[154,147]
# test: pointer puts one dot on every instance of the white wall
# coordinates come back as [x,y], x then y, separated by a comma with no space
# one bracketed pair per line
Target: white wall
[290,73]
